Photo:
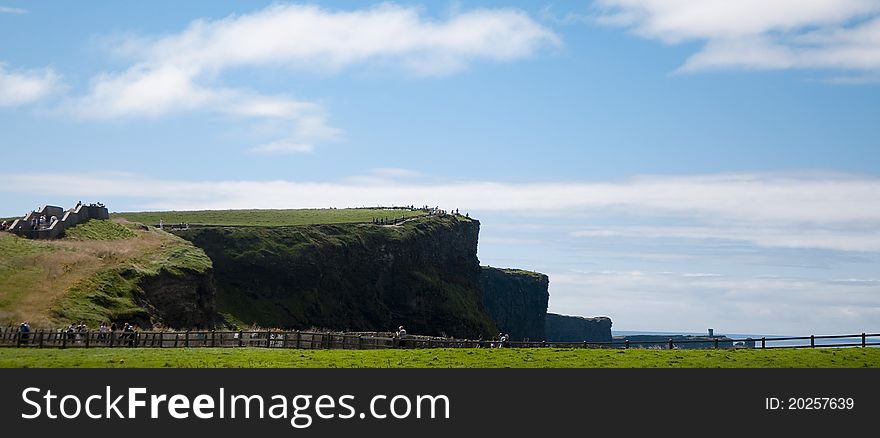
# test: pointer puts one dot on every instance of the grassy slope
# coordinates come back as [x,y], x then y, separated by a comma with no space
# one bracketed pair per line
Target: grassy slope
[440,358]
[268,217]
[100,230]
[90,275]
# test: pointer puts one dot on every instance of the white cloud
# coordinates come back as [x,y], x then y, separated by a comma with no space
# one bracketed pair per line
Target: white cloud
[661,301]
[20,87]
[837,212]
[179,72]
[310,37]
[283,147]
[8,10]
[758,34]
[778,235]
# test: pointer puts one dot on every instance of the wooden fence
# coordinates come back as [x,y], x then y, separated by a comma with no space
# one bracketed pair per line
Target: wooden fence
[13,337]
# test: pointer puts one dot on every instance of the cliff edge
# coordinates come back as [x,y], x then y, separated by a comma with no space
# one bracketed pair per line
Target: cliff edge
[516,300]
[423,274]
[563,328]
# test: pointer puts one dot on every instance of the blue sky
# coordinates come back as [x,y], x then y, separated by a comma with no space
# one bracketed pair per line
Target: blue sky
[673,165]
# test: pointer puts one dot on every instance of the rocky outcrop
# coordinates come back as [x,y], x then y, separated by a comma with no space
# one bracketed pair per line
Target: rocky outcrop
[423,274]
[516,300]
[562,328]
[183,299]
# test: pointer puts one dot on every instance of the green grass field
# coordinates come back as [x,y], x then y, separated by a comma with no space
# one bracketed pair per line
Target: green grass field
[268,217]
[437,358]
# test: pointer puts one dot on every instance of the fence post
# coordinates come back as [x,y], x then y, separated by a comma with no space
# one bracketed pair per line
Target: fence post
[268,339]
[88,337]
[360,342]
[176,339]
[63,339]
[812,341]
[863,341]
[298,339]
[763,342]
[284,340]
[716,343]
[240,338]
[112,336]
[670,343]
[186,339]
[213,341]
[41,338]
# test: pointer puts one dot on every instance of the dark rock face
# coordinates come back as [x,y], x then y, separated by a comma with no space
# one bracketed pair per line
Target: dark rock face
[181,299]
[561,328]
[422,274]
[516,300]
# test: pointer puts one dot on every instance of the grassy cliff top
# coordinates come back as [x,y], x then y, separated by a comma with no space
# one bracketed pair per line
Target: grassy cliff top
[270,217]
[519,272]
[100,230]
[49,282]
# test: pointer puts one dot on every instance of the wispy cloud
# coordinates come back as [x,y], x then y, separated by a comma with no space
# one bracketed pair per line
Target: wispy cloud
[838,212]
[283,147]
[8,10]
[758,34]
[790,235]
[180,72]
[20,87]
[643,300]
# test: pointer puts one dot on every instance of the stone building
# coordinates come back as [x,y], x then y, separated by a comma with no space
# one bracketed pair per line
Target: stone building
[32,227]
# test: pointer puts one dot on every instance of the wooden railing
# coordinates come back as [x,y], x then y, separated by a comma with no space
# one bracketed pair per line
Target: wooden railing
[13,337]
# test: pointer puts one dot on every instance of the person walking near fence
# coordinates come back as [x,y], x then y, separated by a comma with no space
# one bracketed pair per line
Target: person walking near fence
[401,337]
[128,334]
[24,331]
[82,330]
[71,333]
[102,331]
